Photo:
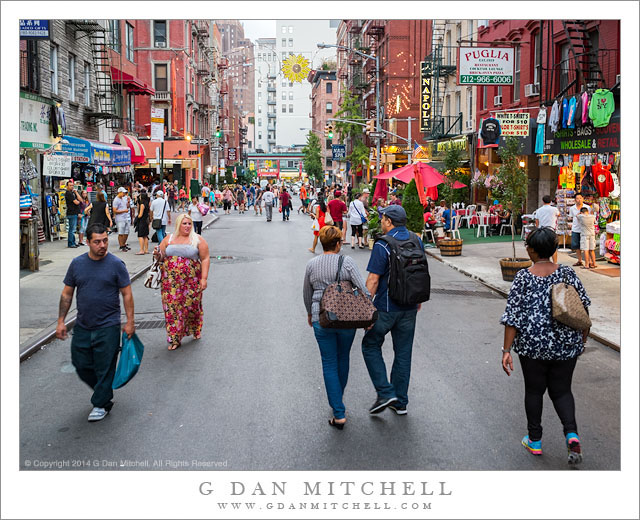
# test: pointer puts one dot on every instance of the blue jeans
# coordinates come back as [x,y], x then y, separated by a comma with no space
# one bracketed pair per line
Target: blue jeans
[72,225]
[335,345]
[285,212]
[161,233]
[402,325]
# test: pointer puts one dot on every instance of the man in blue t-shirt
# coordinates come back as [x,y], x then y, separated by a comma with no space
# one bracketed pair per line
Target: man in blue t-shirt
[100,278]
[400,320]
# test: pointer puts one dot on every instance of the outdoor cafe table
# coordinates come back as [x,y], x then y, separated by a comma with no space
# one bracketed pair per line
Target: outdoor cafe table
[493,220]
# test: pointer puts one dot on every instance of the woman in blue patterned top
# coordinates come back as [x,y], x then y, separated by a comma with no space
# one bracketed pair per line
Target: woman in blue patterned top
[547,349]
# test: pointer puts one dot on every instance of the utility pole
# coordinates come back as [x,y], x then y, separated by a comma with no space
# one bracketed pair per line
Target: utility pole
[378,127]
[409,153]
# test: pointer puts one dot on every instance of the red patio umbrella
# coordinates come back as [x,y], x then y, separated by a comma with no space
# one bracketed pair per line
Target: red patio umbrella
[457,184]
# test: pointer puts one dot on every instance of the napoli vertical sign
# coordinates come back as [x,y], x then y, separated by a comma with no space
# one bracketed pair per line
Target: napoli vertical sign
[426,78]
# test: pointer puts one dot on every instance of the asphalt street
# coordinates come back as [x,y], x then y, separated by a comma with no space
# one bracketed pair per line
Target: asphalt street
[250,395]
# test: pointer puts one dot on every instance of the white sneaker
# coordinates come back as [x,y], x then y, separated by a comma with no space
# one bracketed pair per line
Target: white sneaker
[97,414]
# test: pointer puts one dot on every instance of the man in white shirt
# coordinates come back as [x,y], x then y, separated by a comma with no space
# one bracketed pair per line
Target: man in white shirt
[576,228]
[547,216]
[357,217]
[160,211]
[122,212]
[268,197]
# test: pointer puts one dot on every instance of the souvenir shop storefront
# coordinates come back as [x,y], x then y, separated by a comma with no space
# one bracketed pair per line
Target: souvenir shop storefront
[87,162]
[586,161]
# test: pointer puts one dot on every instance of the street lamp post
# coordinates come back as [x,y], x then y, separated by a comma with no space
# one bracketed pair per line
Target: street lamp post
[375,58]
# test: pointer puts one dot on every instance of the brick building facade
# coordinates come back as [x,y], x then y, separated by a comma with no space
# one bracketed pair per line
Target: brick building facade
[324,98]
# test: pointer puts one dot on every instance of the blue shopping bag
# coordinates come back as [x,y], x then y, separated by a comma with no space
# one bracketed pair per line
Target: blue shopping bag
[129,362]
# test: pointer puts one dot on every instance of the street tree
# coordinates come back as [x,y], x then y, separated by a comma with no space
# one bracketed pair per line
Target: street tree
[350,109]
[413,207]
[313,157]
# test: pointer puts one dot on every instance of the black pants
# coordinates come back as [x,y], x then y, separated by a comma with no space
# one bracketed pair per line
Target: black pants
[556,377]
[197,226]
[94,354]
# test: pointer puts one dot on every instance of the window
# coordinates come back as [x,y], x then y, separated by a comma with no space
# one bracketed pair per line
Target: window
[259,109]
[160,75]
[259,83]
[328,162]
[327,144]
[458,105]
[458,38]
[260,135]
[284,82]
[484,97]
[291,84]
[537,66]
[72,78]
[469,104]
[289,164]
[87,84]
[284,42]
[291,109]
[129,42]
[290,29]
[470,29]
[329,88]
[284,109]
[564,66]
[291,95]
[284,95]
[447,105]
[284,29]
[259,121]
[449,62]
[259,95]
[113,36]
[516,73]
[290,42]
[131,111]
[53,68]
[284,56]
[499,93]
[329,108]
[159,33]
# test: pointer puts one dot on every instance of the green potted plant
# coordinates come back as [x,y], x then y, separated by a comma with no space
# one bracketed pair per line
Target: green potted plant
[375,227]
[509,187]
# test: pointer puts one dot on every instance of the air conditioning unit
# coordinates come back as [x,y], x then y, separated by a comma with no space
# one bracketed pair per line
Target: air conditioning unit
[468,125]
[532,89]
[161,44]
[617,78]
[497,101]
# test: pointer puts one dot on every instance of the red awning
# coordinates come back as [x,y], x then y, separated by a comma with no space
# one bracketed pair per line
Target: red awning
[137,150]
[133,85]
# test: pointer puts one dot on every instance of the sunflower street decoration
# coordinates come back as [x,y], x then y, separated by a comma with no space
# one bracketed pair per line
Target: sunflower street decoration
[296,68]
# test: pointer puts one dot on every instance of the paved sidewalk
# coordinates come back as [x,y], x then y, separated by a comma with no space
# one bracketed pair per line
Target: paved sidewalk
[480,261]
[40,290]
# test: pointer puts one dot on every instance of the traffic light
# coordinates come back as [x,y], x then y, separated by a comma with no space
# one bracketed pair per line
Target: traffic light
[371,126]
[218,132]
[330,132]
[326,131]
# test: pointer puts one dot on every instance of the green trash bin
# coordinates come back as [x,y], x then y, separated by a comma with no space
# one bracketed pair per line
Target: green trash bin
[195,190]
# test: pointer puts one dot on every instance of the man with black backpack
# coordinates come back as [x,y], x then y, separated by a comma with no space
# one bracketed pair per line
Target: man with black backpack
[399,278]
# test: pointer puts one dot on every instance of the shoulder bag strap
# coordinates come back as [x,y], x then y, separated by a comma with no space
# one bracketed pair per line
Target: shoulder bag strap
[163,208]
[340,262]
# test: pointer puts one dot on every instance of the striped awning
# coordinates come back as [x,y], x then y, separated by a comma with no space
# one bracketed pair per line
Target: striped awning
[137,151]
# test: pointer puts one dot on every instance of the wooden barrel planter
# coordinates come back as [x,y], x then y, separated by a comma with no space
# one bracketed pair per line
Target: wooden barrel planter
[450,247]
[510,267]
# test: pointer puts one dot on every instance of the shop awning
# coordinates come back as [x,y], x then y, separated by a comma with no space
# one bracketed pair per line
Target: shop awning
[131,83]
[137,150]
[94,152]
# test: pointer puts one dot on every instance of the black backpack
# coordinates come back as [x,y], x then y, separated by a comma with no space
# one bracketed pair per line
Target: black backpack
[409,279]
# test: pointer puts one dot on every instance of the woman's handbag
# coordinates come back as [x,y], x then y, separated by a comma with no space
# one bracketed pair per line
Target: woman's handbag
[567,307]
[129,362]
[328,219]
[154,276]
[315,226]
[344,306]
[364,220]
[203,209]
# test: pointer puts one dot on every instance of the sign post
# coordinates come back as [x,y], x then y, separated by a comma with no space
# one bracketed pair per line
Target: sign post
[157,134]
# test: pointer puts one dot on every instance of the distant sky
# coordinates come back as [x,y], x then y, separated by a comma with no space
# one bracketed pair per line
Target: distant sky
[254,29]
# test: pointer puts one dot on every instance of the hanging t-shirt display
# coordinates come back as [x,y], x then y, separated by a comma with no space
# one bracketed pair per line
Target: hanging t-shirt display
[601,107]
[585,107]
[89,173]
[490,131]
[554,117]
[572,113]
[565,112]
[603,180]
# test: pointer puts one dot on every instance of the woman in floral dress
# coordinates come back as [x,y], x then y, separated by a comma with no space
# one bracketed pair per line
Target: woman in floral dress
[185,261]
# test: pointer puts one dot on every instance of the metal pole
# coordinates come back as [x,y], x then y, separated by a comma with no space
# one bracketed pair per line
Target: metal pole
[217,165]
[161,161]
[378,129]
[409,136]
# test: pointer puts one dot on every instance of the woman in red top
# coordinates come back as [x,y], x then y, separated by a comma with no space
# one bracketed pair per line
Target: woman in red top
[321,210]
[183,198]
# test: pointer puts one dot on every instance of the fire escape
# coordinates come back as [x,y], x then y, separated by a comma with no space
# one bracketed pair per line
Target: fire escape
[439,125]
[107,94]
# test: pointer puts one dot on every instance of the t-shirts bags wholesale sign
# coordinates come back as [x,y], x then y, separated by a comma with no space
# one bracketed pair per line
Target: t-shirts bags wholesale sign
[485,66]
[513,124]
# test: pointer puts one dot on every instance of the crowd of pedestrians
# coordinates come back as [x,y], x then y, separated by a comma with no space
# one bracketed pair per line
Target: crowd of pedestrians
[397,284]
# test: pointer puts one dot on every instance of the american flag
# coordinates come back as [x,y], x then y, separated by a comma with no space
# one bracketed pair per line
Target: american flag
[418,153]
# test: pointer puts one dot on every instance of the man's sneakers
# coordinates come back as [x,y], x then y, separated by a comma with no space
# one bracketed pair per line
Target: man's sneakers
[573,448]
[533,447]
[400,410]
[381,404]
[97,414]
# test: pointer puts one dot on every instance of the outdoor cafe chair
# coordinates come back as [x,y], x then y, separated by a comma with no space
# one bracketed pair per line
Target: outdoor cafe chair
[455,226]
[483,223]
[507,226]
[470,213]
[426,230]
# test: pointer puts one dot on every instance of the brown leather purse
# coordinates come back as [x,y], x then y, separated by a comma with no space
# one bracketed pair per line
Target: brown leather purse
[567,307]
[344,306]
